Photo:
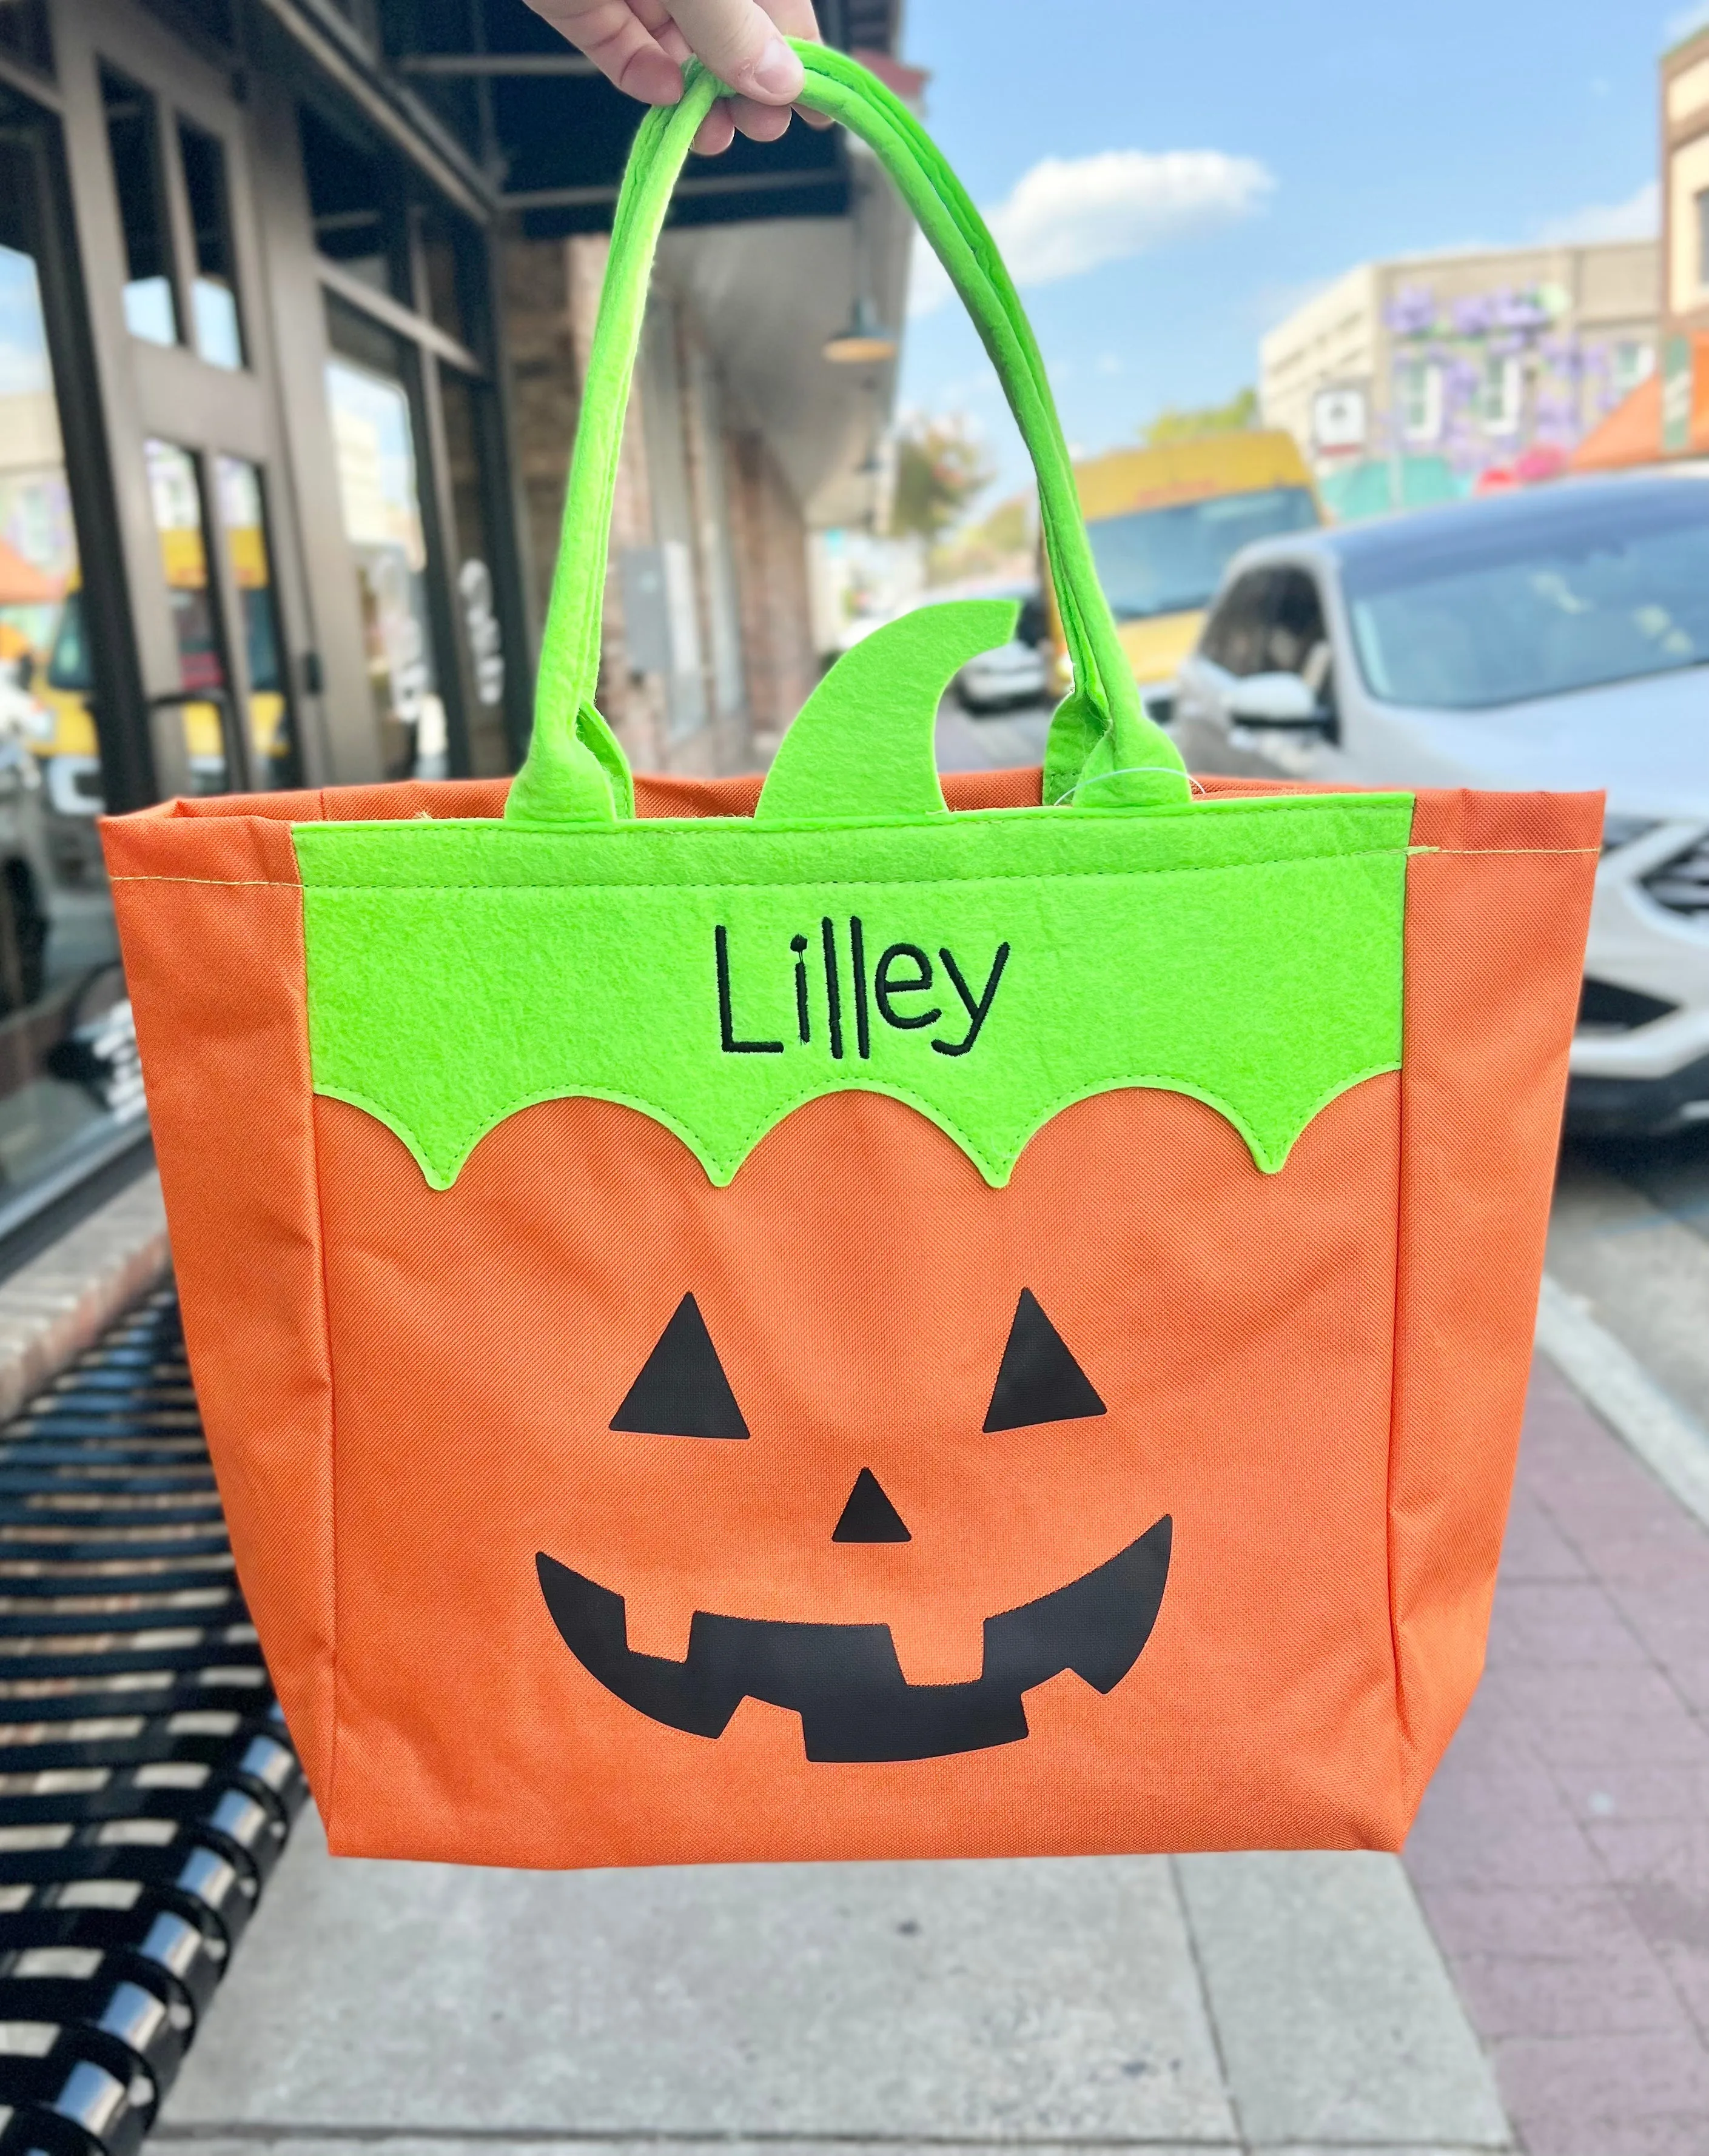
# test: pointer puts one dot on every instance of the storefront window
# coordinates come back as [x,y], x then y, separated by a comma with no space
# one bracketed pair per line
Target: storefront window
[175,490]
[133,139]
[70,1082]
[214,290]
[374,443]
[244,520]
[489,750]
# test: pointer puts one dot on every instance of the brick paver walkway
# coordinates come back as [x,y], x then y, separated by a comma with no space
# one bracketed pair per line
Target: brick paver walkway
[1562,1852]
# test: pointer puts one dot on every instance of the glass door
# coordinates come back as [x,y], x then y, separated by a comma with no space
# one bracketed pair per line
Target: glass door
[166,200]
[374,433]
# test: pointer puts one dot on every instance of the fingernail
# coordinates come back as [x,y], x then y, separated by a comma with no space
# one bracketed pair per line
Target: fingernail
[777,73]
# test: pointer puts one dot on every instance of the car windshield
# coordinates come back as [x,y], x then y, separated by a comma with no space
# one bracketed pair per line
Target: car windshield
[1171,560]
[1566,592]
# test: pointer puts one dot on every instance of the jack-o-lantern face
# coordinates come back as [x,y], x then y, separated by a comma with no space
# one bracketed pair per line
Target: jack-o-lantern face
[845,1681]
[725,1663]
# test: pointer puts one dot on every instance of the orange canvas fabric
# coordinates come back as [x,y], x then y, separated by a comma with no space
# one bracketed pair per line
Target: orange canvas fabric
[1317,1374]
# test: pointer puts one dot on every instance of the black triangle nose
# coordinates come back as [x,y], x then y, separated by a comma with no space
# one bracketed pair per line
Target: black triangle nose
[869,1516]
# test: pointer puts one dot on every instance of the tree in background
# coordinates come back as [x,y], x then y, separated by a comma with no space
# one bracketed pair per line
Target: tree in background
[1004,543]
[1193,423]
[940,467]
[1009,527]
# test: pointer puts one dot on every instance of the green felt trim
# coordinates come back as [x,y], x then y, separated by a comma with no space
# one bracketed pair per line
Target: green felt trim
[867,733]
[1103,748]
[988,969]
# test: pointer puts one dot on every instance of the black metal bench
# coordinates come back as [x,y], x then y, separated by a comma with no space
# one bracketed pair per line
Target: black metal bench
[147,1784]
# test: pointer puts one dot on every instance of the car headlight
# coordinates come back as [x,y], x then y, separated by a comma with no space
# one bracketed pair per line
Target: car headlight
[1622,830]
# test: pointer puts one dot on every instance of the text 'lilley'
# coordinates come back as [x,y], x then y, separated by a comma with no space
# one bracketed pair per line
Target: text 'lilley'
[897,990]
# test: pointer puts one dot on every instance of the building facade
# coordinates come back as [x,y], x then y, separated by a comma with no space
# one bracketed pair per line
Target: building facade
[1450,367]
[295,296]
[1685,247]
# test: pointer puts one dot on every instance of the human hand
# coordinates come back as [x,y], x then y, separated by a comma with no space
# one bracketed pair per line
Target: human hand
[640,46]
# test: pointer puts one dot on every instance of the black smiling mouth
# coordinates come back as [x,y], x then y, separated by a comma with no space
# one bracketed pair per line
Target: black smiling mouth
[844,1680]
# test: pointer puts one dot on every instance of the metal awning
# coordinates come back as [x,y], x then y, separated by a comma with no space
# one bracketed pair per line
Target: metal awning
[550,134]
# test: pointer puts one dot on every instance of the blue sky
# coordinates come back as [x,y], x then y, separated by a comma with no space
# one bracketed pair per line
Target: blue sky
[1339,129]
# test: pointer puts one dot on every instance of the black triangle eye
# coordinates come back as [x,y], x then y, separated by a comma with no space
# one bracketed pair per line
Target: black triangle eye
[1038,1379]
[682,1391]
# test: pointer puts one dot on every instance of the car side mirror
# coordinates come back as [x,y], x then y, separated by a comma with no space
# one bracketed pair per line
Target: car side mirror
[1277,701]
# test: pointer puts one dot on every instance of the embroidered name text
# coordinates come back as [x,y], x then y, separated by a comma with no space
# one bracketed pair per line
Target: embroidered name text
[904,987]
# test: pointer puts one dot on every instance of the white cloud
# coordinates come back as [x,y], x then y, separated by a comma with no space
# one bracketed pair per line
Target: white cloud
[1637,218]
[1067,215]
[1688,19]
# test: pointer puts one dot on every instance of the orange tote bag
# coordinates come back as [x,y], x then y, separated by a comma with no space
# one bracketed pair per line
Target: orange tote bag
[858,1318]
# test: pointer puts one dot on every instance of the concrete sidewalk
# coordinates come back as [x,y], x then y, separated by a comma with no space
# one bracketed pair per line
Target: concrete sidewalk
[1219,2003]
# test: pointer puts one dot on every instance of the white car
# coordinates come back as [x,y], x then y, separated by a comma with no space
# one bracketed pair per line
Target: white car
[999,680]
[1555,639]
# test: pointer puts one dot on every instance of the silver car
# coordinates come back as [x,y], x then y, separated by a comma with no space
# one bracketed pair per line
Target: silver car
[1553,638]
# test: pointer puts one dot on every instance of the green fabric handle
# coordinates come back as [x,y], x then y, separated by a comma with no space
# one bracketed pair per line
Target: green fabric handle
[1103,750]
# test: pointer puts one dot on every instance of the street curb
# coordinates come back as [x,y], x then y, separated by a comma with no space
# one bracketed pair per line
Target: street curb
[1672,1444]
[60,1303]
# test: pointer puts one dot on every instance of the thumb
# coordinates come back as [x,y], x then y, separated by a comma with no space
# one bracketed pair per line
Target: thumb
[740,43]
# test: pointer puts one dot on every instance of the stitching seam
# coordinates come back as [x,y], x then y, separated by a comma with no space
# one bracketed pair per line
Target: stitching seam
[1188,868]
[1008,878]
